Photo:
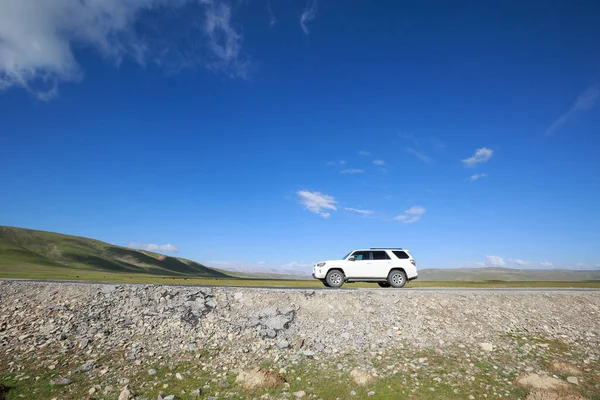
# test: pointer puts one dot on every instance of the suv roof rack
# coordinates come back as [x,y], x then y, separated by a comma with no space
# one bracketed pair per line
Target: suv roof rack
[386,248]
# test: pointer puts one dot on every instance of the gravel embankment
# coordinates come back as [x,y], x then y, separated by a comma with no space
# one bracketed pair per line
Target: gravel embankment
[163,319]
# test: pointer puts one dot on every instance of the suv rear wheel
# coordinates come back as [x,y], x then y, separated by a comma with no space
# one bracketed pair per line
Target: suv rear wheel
[397,278]
[334,278]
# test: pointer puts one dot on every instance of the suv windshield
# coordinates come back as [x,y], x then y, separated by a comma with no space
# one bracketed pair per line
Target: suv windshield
[346,256]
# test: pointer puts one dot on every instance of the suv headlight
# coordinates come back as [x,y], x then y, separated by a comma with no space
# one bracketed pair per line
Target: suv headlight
[321,264]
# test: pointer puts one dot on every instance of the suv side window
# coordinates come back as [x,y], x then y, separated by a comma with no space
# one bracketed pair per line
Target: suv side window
[380,255]
[401,255]
[361,255]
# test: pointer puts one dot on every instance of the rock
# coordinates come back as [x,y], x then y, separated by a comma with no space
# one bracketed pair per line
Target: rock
[196,393]
[259,378]
[536,381]
[299,394]
[564,368]
[151,371]
[486,347]
[352,393]
[179,376]
[573,380]
[371,393]
[268,312]
[308,353]
[170,397]
[125,394]
[83,344]
[92,391]
[539,394]
[340,367]
[362,377]
[60,382]
[282,344]
[277,322]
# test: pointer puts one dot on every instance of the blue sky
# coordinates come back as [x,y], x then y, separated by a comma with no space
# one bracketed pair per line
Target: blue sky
[255,134]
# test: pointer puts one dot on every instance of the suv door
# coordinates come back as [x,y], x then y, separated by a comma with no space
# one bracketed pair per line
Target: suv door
[380,265]
[361,263]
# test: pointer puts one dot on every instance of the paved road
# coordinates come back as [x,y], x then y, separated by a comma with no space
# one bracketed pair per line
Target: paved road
[345,288]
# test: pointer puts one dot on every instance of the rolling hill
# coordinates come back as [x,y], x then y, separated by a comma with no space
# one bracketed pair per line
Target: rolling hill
[507,274]
[38,250]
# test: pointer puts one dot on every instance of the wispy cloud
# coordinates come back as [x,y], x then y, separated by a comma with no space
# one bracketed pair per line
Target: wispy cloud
[409,137]
[378,162]
[352,171]
[475,177]
[333,163]
[272,18]
[420,156]
[37,38]
[364,153]
[297,264]
[224,41]
[546,264]
[584,102]
[481,155]
[160,248]
[411,215]
[317,202]
[437,143]
[309,13]
[522,263]
[494,261]
[356,210]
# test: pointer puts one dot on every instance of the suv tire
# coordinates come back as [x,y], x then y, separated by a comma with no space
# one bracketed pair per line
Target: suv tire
[325,283]
[396,278]
[383,284]
[335,278]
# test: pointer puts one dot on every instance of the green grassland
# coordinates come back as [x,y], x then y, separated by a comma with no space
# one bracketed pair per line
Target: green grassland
[30,254]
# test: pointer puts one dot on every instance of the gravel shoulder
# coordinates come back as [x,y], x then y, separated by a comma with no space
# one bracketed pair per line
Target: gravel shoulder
[406,341]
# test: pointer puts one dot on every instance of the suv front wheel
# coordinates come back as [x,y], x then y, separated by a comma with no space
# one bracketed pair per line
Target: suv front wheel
[397,278]
[334,278]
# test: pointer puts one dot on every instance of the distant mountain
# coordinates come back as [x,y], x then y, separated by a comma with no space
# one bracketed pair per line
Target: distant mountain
[507,274]
[30,248]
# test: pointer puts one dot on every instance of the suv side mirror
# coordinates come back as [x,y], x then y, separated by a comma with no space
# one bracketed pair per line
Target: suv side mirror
[351,258]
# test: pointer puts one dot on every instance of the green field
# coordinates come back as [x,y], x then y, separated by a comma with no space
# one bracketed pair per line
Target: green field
[31,254]
[53,273]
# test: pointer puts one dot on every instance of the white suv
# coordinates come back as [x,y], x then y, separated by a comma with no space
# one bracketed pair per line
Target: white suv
[386,266]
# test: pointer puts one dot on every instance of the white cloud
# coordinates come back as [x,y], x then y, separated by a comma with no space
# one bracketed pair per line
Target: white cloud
[521,263]
[481,155]
[408,137]
[272,18]
[411,215]
[584,102]
[475,177]
[546,264]
[161,248]
[309,13]
[364,153]
[356,210]
[421,156]
[297,264]
[317,202]
[494,261]
[437,143]
[37,38]
[332,163]
[352,171]
[378,162]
